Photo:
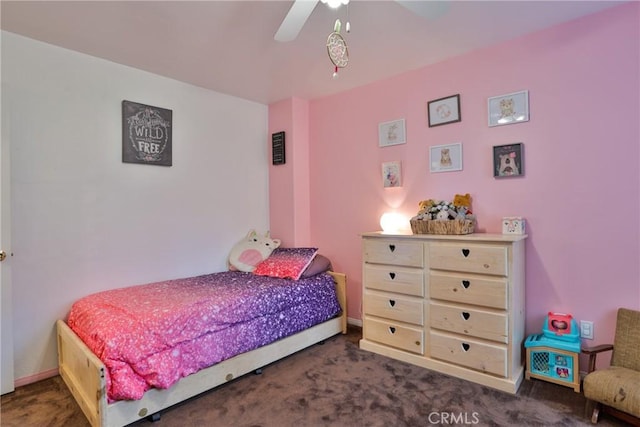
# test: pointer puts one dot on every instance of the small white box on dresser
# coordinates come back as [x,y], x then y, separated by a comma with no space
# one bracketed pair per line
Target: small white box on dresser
[513,225]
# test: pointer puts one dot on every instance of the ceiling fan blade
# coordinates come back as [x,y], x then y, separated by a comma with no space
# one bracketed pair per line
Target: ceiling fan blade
[295,19]
[427,9]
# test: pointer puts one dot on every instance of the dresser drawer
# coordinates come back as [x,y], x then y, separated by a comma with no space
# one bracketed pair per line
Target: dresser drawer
[393,251]
[469,257]
[469,289]
[471,322]
[389,278]
[474,354]
[395,335]
[394,307]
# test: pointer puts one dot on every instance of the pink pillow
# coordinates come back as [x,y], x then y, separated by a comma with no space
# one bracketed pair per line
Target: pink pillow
[286,263]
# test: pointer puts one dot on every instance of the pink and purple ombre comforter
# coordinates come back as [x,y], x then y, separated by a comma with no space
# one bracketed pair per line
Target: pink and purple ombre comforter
[152,335]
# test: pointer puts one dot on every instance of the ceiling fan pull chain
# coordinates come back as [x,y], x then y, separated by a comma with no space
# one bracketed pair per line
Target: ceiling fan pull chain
[347,27]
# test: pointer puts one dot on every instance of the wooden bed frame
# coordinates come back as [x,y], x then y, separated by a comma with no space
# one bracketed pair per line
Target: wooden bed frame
[84,372]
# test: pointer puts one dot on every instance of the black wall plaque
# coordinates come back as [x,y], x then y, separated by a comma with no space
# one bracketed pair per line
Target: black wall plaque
[146,134]
[277,147]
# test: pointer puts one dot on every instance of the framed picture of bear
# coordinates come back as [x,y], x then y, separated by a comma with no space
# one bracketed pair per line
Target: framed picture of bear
[445,158]
[509,109]
[508,160]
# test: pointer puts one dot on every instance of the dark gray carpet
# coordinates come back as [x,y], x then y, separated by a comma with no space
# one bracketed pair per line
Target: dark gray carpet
[335,384]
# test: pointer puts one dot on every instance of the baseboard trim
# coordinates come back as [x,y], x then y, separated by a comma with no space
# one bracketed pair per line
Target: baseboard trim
[36,377]
[356,322]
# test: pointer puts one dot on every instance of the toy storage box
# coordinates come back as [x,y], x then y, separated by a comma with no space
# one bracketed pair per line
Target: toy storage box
[553,361]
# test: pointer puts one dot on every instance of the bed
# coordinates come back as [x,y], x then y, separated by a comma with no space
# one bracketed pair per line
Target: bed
[91,379]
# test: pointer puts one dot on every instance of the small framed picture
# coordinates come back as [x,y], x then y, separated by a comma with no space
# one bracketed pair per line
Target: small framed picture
[445,158]
[392,174]
[444,110]
[391,133]
[146,134]
[508,160]
[509,109]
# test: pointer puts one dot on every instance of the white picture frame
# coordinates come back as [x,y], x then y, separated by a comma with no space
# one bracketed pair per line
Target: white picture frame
[508,109]
[392,133]
[392,174]
[445,158]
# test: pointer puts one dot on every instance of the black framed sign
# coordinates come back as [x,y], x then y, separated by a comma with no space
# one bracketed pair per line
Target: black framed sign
[508,160]
[277,148]
[146,134]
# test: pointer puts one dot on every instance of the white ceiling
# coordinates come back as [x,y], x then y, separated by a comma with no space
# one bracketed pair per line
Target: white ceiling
[228,46]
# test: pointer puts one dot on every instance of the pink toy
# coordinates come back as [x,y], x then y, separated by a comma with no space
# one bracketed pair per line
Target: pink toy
[559,323]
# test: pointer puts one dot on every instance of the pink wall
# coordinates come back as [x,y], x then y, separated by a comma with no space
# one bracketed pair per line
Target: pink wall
[289,207]
[581,191]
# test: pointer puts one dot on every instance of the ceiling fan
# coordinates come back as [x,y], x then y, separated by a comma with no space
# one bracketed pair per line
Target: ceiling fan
[301,10]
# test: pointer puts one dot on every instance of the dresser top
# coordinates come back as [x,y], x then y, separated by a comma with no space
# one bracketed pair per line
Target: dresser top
[480,237]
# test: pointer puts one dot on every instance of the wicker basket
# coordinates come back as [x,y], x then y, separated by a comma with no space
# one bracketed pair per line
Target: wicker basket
[453,226]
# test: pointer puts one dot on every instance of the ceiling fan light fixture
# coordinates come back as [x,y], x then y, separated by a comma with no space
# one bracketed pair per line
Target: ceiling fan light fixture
[334,4]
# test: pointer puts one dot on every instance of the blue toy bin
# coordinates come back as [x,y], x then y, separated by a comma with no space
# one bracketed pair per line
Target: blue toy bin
[553,358]
[560,326]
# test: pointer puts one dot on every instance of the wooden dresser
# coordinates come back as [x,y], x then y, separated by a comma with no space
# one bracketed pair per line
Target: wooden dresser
[453,304]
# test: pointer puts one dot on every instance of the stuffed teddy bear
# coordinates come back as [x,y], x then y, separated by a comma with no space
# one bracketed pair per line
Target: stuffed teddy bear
[251,251]
[460,200]
[424,205]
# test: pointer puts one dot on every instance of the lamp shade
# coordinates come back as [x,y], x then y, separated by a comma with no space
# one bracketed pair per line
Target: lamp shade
[392,222]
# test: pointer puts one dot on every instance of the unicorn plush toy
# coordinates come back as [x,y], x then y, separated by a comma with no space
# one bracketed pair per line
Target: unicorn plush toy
[251,251]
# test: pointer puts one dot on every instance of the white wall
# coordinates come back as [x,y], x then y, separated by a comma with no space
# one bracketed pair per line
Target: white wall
[83,221]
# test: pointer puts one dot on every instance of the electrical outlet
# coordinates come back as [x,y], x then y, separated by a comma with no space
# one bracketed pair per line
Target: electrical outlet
[586,329]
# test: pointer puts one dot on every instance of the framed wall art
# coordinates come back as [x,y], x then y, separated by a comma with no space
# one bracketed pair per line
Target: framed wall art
[509,109]
[444,111]
[508,160]
[392,174]
[146,134]
[445,158]
[392,133]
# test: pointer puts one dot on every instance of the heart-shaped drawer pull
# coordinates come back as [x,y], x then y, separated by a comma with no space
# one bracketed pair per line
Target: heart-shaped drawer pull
[466,315]
[392,330]
[466,284]
[466,252]
[392,302]
[465,346]
[392,248]
[392,275]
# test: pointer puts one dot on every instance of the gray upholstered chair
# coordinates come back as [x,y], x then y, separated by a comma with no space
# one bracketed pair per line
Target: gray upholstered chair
[616,389]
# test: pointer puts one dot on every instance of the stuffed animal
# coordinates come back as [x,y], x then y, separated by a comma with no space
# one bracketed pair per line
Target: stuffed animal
[424,205]
[251,251]
[461,213]
[460,200]
[442,215]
